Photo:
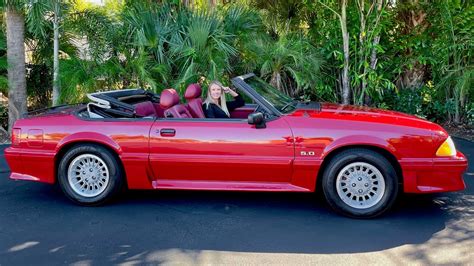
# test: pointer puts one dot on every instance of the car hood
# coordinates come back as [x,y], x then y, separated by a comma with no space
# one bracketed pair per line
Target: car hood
[363,110]
[364,114]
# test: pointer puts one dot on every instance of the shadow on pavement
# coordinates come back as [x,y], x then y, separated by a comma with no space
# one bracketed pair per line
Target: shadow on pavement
[243,222]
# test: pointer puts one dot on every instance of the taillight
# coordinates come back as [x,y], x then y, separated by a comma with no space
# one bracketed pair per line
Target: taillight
[16,136]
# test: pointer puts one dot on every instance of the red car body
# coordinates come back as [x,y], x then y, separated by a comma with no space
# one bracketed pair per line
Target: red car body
[201,154]
[229,155]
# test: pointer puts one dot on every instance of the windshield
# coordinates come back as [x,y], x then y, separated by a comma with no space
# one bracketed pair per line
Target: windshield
[279,100]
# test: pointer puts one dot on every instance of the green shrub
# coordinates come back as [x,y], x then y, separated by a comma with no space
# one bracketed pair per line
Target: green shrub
[4,116]
[421,102]
[470,114]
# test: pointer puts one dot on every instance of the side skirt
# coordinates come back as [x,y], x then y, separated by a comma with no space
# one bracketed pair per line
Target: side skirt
[234,186]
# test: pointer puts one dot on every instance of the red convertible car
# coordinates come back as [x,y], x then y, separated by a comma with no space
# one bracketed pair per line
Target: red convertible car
[361,158]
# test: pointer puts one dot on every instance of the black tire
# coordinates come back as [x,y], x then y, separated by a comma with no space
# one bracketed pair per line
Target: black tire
[348,161]
[108,161]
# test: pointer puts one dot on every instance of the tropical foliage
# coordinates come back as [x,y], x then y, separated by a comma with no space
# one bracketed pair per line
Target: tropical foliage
[410,55]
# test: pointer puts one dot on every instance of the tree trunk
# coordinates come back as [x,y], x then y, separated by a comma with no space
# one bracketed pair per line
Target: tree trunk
[345,39]
[373,55]
[457,115]
[56,88]
[16,66]
[413,78]
[362,50]
[414,21]
[276,81]
[187,3]
[213,3]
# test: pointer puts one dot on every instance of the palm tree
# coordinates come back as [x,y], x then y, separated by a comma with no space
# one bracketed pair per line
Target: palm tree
[244,25]
[56,88]
[290,63]
[15,20]
[42,17]
[3,81]
[129,52]
[16,61]
[184,44]
[3,62]
[201,47]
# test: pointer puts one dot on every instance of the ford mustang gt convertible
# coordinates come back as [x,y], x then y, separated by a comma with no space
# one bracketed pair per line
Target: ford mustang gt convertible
[360,158]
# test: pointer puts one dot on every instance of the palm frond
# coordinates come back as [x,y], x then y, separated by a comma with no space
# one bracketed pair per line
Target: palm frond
[38,17]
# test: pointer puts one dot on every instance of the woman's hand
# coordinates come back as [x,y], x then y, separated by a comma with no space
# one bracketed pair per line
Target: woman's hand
[230,91]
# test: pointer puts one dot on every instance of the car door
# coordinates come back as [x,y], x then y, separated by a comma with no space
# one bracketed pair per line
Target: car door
[221,150]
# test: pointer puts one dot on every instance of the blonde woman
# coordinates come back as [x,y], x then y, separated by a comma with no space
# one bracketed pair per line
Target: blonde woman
[215,105]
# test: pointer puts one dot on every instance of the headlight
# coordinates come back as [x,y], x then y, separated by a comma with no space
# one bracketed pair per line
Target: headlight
[447,148]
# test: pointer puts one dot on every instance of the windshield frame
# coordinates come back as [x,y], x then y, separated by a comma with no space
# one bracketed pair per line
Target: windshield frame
[239,82]
[283,98]
[264,102]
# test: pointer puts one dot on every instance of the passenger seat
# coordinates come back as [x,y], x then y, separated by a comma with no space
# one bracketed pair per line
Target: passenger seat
[144,109]
[194,101]
[169,101]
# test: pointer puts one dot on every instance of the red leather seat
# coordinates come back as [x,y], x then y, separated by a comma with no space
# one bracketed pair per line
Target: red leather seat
[159,111]
[169,101]
[194,101]
[145,109]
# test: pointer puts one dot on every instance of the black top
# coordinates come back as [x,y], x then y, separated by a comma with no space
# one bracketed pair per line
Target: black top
[215,111]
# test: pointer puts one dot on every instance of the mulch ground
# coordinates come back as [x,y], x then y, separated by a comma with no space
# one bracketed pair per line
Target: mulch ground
[4,137]
[461,131]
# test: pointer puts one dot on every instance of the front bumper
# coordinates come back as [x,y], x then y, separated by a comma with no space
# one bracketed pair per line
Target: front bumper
[434,175]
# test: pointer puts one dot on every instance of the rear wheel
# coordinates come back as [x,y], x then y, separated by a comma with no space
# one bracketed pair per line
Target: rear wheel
[360,183]
[89,174]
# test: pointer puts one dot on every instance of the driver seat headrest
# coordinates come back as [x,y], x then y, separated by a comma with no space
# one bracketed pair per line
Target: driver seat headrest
[193,91]
[169,98]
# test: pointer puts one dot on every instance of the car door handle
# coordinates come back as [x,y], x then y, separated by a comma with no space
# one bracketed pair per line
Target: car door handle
[167,132]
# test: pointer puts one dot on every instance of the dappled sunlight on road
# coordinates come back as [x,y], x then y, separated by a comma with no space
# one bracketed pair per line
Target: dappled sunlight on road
[23,246]
[454,244]
[244,228]
[54,250]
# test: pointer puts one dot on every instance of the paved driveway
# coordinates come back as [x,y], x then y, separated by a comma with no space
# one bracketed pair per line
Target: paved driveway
[38,226]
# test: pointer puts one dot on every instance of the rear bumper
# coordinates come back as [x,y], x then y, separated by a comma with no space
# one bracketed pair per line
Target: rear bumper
[434,175]
[13,158]
[31,166]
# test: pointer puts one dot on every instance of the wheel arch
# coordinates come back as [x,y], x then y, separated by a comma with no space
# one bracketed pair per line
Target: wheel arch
[375,148]
[103,141]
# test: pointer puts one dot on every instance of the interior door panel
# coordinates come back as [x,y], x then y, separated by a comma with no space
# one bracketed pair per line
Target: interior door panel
[243,112]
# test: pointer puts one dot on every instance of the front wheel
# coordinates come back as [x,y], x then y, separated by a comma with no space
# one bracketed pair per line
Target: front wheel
[89,174]
[360,183]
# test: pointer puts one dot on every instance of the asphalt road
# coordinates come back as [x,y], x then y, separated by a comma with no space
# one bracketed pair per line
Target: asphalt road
[39,226]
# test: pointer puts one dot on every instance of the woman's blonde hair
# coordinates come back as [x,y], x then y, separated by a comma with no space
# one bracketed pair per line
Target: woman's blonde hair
[222,101]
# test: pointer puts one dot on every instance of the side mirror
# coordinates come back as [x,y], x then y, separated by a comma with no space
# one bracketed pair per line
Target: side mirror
[257,119]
